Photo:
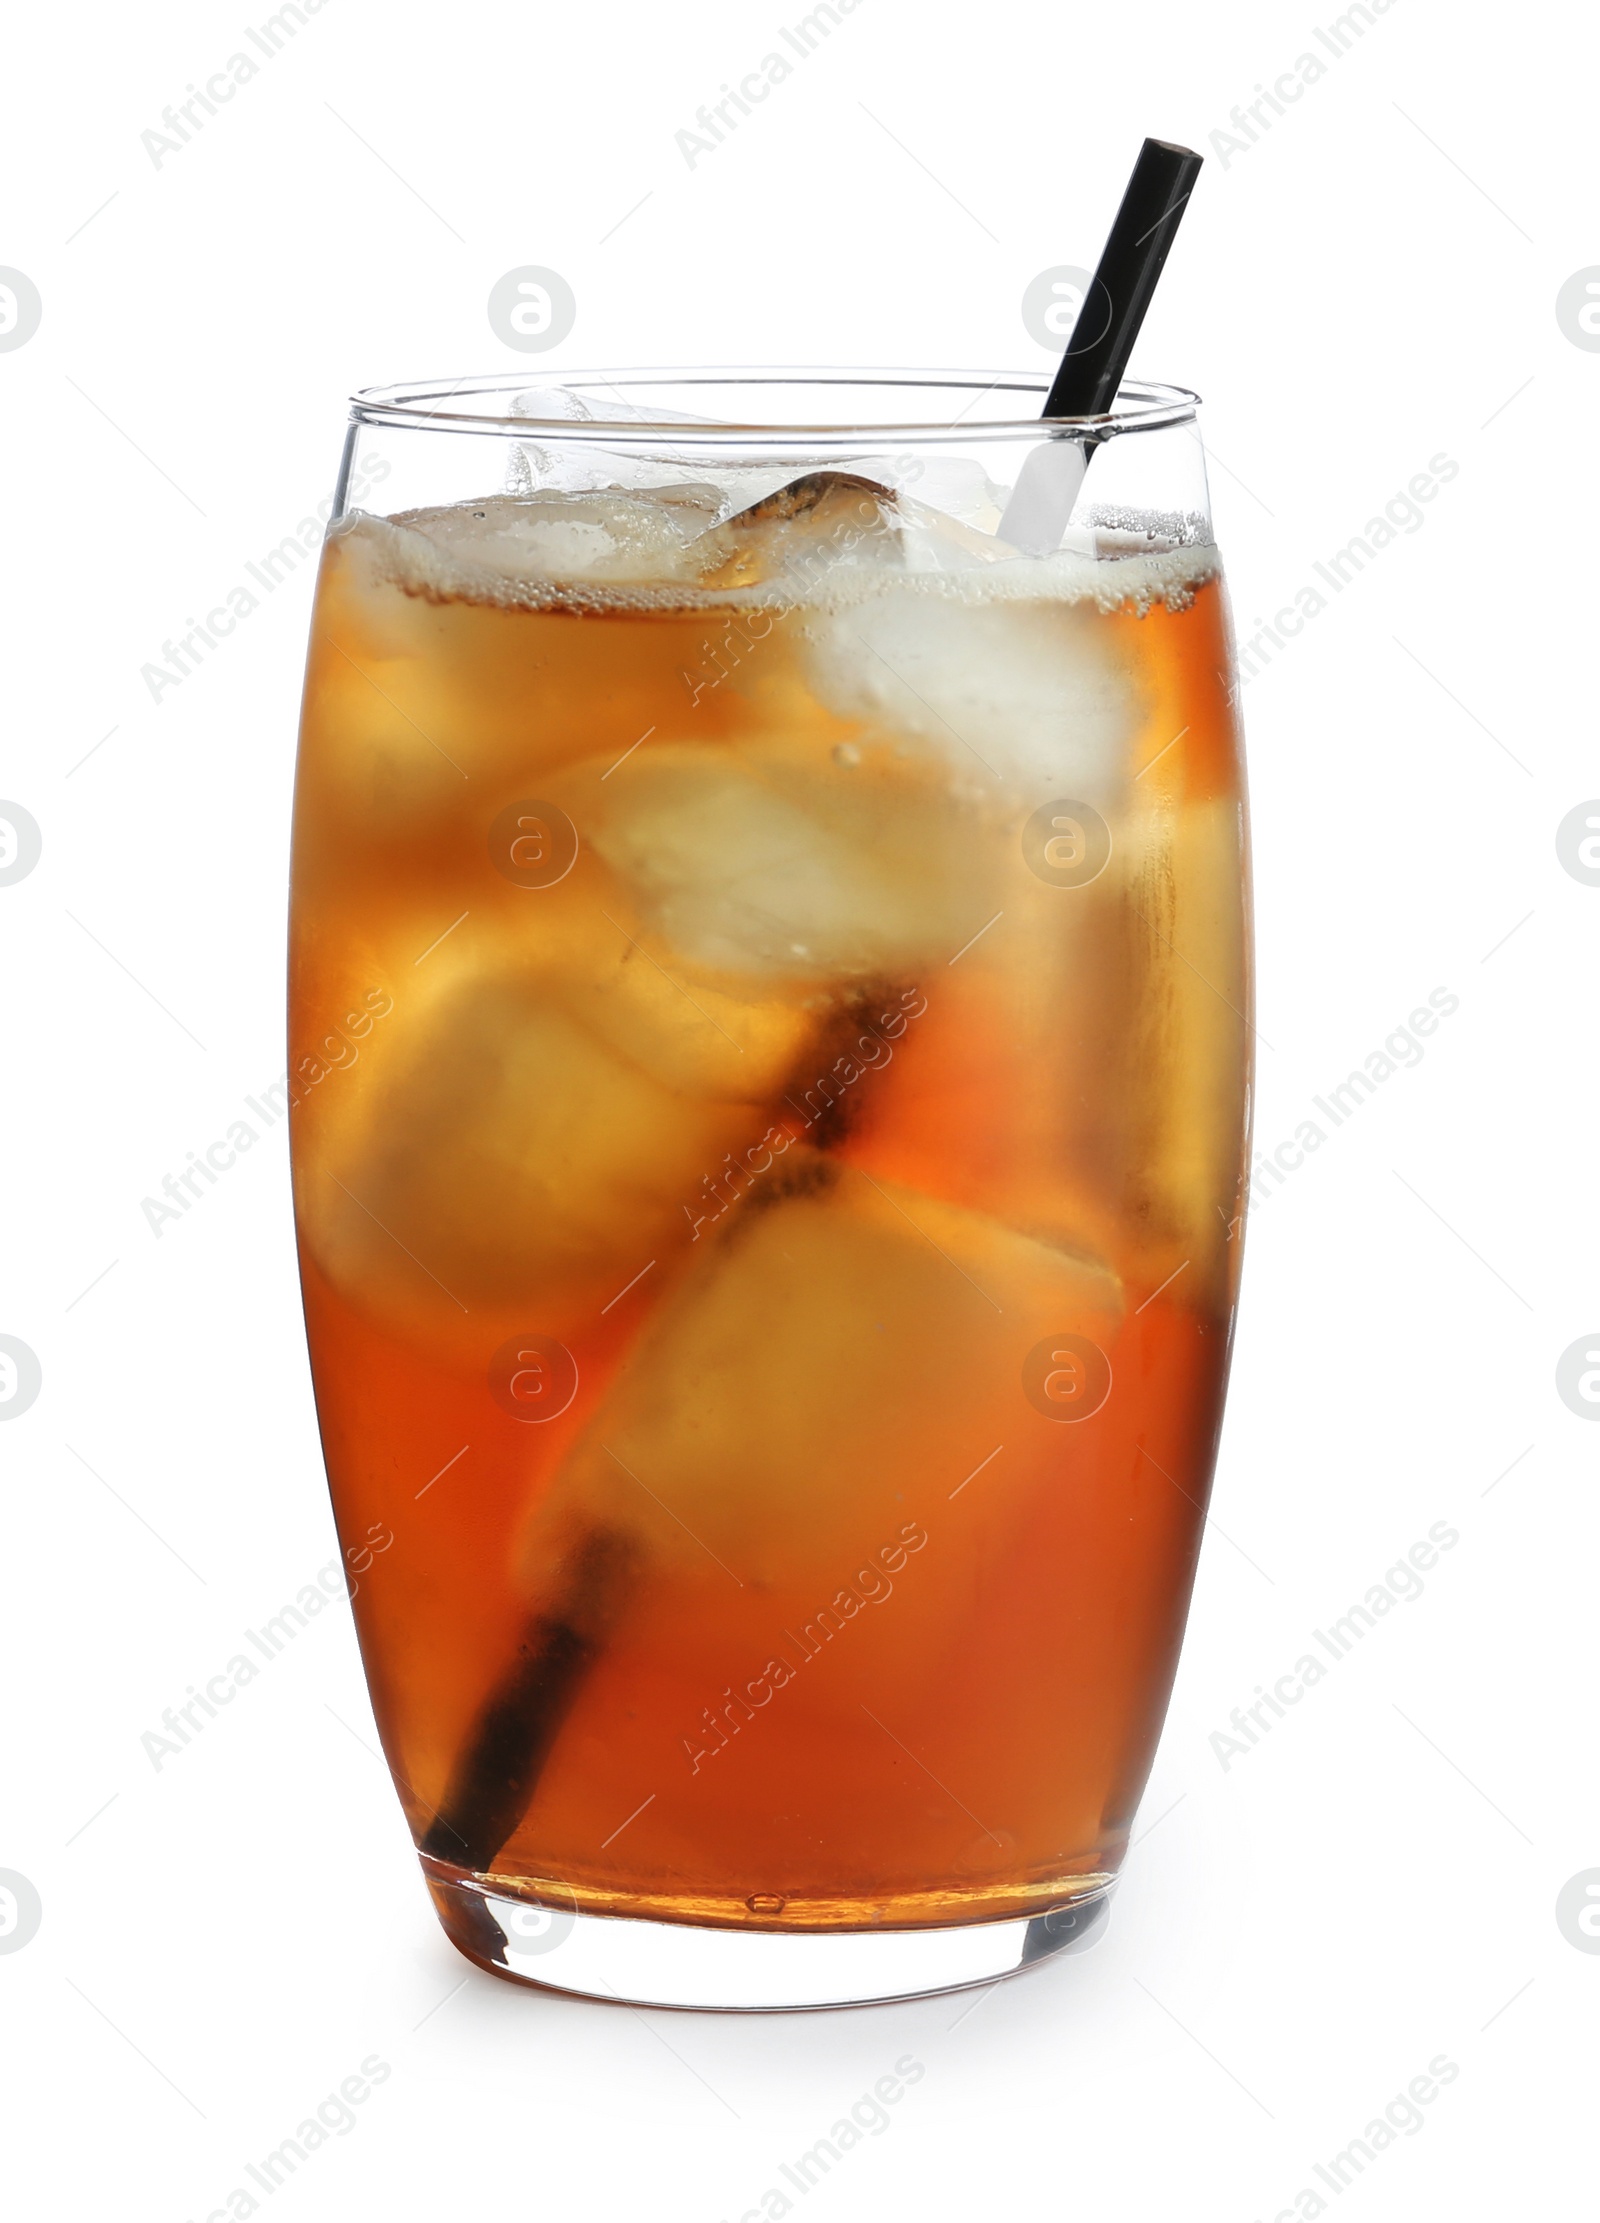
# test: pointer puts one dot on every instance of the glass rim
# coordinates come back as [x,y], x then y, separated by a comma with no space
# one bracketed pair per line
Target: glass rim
[421,404]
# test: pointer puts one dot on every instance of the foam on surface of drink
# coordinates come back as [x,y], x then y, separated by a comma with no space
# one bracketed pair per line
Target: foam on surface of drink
[687,546]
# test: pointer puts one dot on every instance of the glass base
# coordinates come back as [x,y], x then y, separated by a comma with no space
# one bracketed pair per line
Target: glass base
[694,1965]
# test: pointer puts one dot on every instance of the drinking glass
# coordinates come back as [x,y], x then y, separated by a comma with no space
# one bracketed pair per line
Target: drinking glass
[769,1053]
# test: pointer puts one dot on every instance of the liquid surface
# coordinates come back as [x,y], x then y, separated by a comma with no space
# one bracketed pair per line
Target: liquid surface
[769,1053]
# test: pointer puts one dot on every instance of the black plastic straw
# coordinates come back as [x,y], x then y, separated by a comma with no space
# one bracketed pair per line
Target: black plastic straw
[1125,281]
[1087,378]
[1114,307]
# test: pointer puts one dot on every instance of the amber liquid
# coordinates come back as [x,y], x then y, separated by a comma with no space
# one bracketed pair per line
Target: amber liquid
[895,1632]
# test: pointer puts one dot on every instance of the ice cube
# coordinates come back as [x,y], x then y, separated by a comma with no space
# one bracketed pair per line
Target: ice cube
[955,486]
[493,1148]
[415,673]
[575,466]
[931,539]
[552,403]
[691,1034]
[836,1360]
[561,405]
[607,537]
[1032,688]
[749,864]
[581,465]
[803,533]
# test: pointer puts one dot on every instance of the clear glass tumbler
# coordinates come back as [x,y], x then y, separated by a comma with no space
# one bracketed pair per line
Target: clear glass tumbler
[769,1050]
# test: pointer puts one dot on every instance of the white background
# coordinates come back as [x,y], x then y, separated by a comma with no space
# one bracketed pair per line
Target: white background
[1370,284]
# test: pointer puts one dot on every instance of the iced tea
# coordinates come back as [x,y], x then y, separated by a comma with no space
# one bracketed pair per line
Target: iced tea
[769,1048]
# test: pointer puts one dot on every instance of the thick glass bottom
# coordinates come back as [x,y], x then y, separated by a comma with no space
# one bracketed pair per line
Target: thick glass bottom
[652,1963]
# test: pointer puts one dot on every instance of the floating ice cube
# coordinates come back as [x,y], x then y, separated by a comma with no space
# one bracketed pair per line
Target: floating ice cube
[833,1363]
[552,403]
[584,465]
[498,1151]
[932,539]
[560,405]
[1032,689]
[831,869]
[690,1034]
[611,537]
[803,532]
[956,487]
